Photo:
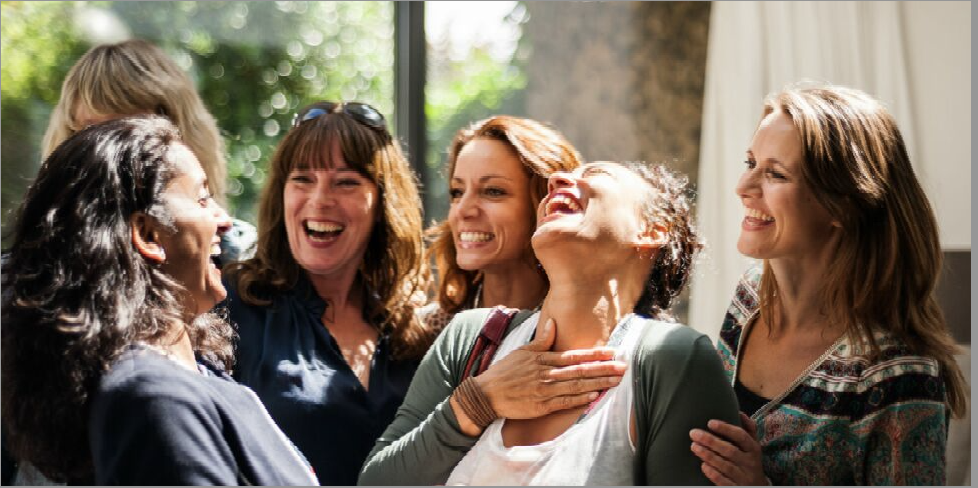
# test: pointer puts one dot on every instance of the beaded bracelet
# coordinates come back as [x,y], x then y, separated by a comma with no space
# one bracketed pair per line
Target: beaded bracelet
[474,403]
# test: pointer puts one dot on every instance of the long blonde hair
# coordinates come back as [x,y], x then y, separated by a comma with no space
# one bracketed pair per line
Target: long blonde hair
[856,163]
[133,77]
[542,150]
[392,268]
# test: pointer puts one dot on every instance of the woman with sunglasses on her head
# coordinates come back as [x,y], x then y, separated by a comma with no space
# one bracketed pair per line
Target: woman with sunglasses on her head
[617,242]
[329,338]
[113,369]
[836,346]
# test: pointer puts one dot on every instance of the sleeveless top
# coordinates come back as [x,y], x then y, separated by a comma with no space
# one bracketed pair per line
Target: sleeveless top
[597,450]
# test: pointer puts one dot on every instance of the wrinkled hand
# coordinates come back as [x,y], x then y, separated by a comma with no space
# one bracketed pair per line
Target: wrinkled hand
[731,455]
[533,381]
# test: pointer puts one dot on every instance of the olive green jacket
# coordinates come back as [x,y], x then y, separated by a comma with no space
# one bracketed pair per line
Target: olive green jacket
[679,385]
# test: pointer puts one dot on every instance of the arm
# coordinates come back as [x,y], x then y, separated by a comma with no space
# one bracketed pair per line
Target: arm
[158,434]
[425,442]
[907,439]
[683,388]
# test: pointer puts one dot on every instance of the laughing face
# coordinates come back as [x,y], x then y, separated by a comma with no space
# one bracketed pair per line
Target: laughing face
[194,240]
[491,215]
[598,204]
[329,215]
[782,218]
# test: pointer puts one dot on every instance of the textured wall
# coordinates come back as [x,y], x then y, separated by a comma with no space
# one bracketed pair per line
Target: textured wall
[623,80]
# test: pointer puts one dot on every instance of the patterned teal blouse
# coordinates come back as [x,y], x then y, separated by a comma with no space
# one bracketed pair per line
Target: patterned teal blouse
[847,420]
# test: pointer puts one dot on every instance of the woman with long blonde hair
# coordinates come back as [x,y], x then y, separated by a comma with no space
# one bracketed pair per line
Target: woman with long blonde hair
[836,346]
[134,77]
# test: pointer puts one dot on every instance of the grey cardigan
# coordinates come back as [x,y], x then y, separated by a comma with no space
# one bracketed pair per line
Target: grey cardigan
[679,385]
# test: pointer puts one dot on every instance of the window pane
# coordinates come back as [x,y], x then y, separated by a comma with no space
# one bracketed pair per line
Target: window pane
[254,64]
[475,69]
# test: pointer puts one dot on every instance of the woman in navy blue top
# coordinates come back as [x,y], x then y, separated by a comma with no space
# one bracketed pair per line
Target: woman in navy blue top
[112,366]
[325,310]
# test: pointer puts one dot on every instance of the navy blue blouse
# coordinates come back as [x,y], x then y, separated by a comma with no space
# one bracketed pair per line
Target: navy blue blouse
[288,357]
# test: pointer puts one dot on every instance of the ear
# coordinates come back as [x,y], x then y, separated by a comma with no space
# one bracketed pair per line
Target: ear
[145,236]
[654,236]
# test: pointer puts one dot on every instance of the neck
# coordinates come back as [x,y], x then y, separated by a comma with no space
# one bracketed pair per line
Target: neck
[800,296]
[177,344]
[521,287]
[587,304]
[339,292]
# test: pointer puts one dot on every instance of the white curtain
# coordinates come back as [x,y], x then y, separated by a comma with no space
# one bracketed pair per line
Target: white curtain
[756,48]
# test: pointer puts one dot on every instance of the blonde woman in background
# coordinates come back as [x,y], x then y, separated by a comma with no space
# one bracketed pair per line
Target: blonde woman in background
[133,77]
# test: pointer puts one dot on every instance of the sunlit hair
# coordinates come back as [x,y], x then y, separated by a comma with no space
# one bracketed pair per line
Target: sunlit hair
[668,204]
[392,266]
[135,77]
[78,293]
[542,150]
[885,268]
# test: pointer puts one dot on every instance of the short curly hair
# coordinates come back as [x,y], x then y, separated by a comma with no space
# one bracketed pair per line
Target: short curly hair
[668,204]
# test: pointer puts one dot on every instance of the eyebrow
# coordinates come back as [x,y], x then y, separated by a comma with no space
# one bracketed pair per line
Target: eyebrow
[485,178]
[775,161]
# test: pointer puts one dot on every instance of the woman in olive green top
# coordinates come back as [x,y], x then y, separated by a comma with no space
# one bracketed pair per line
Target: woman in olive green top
[636,431]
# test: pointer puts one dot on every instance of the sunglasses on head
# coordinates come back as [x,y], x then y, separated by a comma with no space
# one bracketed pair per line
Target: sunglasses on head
[361,112]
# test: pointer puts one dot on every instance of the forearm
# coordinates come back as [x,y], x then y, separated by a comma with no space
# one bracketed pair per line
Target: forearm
[422,455]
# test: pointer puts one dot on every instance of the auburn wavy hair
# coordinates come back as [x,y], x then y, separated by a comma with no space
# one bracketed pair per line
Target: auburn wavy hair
[136,77]
[393,268]
[77,293]
[542,150]
[856,163]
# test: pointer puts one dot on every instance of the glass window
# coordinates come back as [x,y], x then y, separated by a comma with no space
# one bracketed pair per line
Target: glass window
[254,64]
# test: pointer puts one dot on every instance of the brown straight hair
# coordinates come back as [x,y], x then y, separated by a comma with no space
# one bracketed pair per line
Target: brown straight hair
[392,268]
[856,163]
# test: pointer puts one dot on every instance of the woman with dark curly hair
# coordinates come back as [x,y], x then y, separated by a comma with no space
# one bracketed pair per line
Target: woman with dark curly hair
[326,308]
[113,369]
[633,224]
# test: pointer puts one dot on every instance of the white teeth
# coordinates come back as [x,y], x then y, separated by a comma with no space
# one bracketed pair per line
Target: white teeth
[323,226]
[475,236]
[757,214]
[562,200]
[215,249]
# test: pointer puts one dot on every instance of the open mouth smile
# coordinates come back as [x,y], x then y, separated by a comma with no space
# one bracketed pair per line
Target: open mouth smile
[562,204]
[321,231]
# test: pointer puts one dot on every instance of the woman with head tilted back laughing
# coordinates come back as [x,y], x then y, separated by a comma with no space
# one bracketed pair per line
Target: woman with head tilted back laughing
[617,243]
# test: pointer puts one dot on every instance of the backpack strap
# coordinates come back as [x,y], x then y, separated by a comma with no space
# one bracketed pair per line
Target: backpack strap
[491,335]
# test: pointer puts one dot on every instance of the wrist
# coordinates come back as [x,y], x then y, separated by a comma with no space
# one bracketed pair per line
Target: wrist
[471,400]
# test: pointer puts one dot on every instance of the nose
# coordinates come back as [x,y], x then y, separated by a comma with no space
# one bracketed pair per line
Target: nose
[322,195]
[466,206]
[747,186]
[559,179]
[222,217]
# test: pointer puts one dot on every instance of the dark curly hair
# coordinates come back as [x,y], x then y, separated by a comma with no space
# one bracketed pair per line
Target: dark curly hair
[669,204]
[77,293]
